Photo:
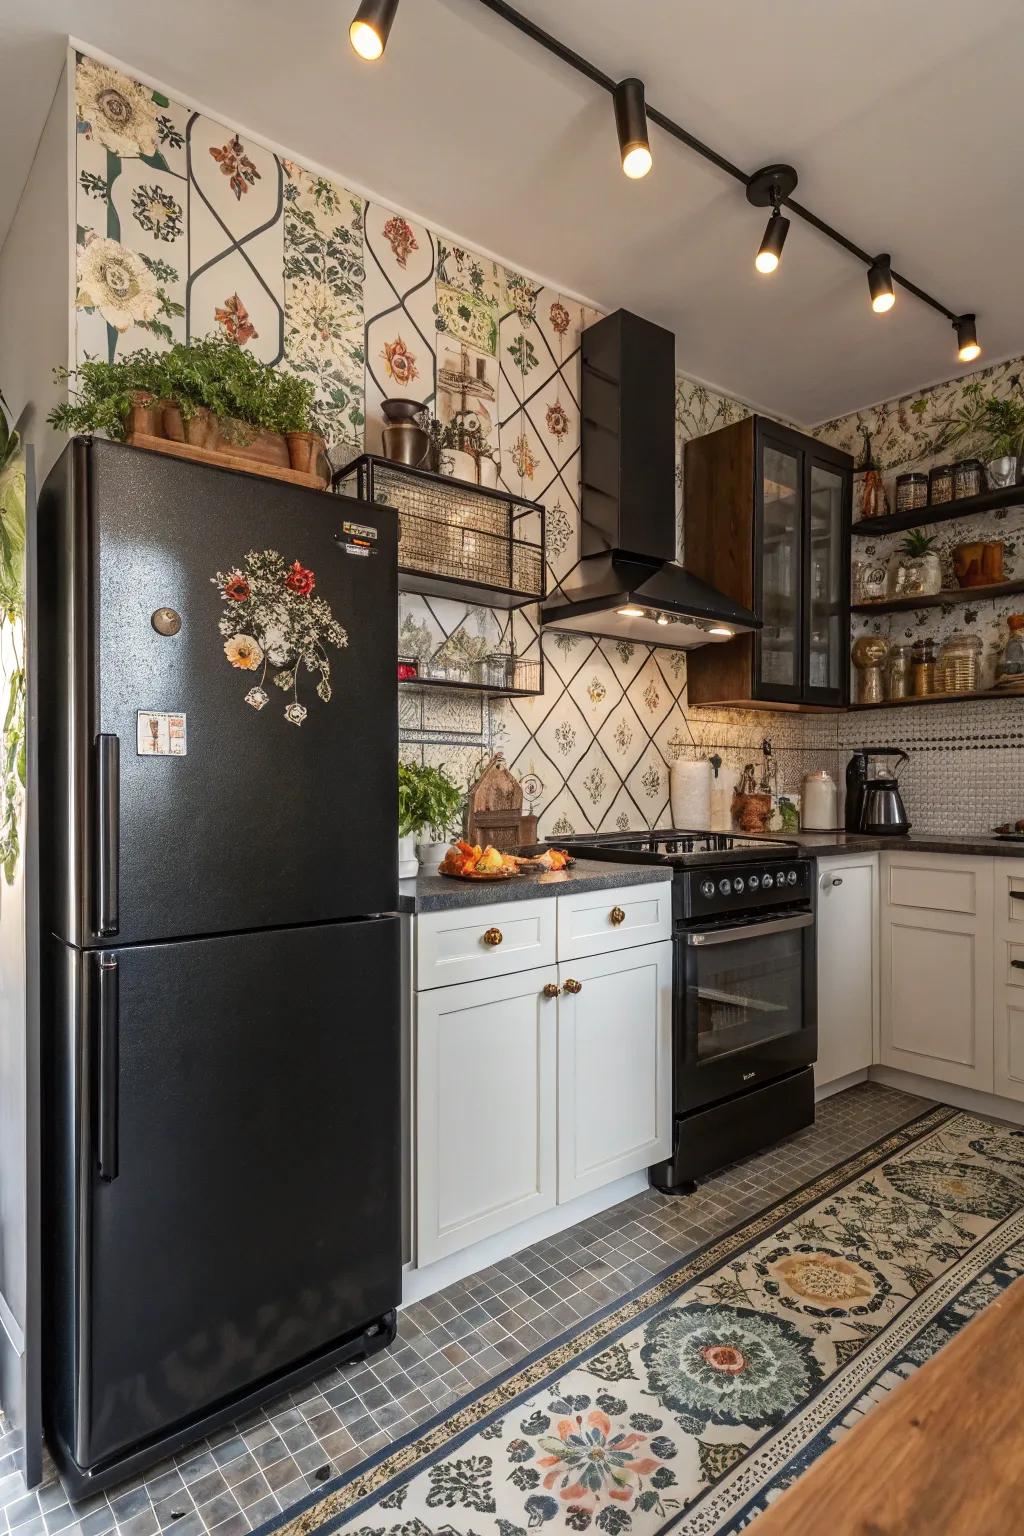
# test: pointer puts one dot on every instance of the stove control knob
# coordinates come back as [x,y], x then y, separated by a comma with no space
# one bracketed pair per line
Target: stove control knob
[754,883]
[739,886]
[707,888]
[725,886]
[791,877]
[767,881]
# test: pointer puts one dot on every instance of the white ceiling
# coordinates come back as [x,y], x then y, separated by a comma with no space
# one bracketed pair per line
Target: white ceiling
[905,121]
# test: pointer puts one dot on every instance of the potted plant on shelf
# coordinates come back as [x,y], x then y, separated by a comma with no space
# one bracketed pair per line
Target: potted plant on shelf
[211,394]
[428,801]
[915,569]
[991,427]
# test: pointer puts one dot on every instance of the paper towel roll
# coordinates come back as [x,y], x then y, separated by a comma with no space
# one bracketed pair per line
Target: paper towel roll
[721,803]
[690,793]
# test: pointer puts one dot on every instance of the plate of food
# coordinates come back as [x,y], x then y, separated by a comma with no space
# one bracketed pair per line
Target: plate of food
[546,863]
[468,861]
[1011,831]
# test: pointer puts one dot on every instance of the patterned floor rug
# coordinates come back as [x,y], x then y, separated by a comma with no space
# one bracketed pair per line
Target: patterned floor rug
[692,1403]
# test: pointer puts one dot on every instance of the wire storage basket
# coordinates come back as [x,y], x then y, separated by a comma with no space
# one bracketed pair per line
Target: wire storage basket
[455,539]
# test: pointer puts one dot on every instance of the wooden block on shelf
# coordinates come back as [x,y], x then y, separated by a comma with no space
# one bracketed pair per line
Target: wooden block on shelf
[224,460]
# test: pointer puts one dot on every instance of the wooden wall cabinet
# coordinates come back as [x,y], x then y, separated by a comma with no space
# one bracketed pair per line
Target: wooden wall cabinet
[767,521]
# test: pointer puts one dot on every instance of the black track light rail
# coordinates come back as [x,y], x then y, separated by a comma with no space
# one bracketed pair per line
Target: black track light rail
[668,125]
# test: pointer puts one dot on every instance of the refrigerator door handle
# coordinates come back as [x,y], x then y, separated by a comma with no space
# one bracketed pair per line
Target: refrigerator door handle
[108,834]
[108,1067]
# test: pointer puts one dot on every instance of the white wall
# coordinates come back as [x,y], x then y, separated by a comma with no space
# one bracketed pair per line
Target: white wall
[36,293]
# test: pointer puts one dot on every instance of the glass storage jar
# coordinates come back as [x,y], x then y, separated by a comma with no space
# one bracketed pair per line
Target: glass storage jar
[899,672]
[911,491]
[968,478]
[959,664]
[940,484]
[1010,661]
[922,669]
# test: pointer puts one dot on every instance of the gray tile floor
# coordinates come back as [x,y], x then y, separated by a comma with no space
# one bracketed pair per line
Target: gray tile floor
[446,1345]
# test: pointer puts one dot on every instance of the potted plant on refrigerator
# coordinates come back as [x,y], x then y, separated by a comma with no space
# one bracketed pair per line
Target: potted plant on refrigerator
[428,802]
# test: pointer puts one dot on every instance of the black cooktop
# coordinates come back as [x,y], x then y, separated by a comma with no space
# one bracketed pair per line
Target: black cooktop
[679,847]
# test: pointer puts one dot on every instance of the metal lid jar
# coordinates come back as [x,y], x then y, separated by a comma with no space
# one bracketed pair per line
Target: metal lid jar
[911,491]
[940,484]
[968,478]
[959,664]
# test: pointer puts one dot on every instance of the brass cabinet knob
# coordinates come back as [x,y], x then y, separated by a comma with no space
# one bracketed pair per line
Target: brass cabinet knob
[573,986]
[493,937]
[617,916]
[552,989]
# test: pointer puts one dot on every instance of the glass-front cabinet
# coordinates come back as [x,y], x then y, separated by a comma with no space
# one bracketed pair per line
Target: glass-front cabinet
[767,520]
[801,569]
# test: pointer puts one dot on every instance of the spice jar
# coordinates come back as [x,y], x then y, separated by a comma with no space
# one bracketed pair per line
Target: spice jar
[959,661]
[911,491]
[940,484]
[968,478]
[922,668]
[899,672]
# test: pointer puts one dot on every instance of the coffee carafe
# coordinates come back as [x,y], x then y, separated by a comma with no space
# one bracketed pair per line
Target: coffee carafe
[874,804]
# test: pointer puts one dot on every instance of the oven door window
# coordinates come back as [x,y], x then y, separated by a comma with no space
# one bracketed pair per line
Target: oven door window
[748,990]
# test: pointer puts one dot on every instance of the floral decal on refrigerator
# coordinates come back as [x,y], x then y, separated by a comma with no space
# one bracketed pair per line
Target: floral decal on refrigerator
[272,622]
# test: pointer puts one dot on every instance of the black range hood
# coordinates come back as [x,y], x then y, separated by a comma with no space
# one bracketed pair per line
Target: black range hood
[627,584]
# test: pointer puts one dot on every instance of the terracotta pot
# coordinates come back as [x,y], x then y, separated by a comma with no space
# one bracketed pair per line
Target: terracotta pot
[144,415]
[245,442]
[201,430]
[173,426]
[751,813]
[305,450]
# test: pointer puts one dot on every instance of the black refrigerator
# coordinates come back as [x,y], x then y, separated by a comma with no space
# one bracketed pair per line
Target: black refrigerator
[217,749]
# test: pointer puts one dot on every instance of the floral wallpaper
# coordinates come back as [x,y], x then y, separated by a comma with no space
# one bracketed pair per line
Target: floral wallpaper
[186,227]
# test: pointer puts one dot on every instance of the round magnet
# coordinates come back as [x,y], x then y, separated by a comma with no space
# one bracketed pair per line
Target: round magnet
[166,622]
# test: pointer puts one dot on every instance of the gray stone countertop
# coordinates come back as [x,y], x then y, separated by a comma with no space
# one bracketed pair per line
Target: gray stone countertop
[838,842]
[440,893]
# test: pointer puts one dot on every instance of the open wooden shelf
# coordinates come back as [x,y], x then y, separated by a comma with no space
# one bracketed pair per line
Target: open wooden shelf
[464,686]
[941,512]
[953,595]
[945,698]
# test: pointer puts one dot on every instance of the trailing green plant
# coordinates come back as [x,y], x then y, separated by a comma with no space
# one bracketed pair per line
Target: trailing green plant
[427,799]
[104,393]
[916,544]
[990,426]
[213,373]
[12,612]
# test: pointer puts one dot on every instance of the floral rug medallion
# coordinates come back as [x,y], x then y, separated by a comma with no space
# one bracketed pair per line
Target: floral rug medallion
[694,1402]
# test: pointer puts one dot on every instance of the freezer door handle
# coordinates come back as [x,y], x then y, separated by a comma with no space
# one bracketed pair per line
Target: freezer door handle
[108,834]
[108,1064]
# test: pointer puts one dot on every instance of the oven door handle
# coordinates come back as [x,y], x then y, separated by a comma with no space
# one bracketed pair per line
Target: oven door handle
[751,930]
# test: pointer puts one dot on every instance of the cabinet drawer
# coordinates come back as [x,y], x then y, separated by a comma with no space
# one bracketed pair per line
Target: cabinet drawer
[594,922]
[1010,961]
[931,883]
[472,943]
[1009,894]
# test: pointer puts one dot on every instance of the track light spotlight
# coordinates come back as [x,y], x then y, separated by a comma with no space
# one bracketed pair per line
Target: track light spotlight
[368,33]
[770,253]
[967,348]
[771,187]
[631,126]
[880,286]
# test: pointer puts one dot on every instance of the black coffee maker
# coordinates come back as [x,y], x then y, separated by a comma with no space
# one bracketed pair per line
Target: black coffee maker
[874,804]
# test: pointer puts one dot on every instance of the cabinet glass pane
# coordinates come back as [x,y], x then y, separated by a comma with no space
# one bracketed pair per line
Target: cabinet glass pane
[780,569]
[824,633]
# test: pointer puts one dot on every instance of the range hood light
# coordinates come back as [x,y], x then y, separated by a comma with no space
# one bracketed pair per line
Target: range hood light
[631,612]
[721,631]
[663,618]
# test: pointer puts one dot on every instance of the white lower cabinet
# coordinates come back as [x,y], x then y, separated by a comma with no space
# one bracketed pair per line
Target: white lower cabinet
[534,1087]
[614,1066]
[1009,977]
[937,967]
[847,939]
[486,1059]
